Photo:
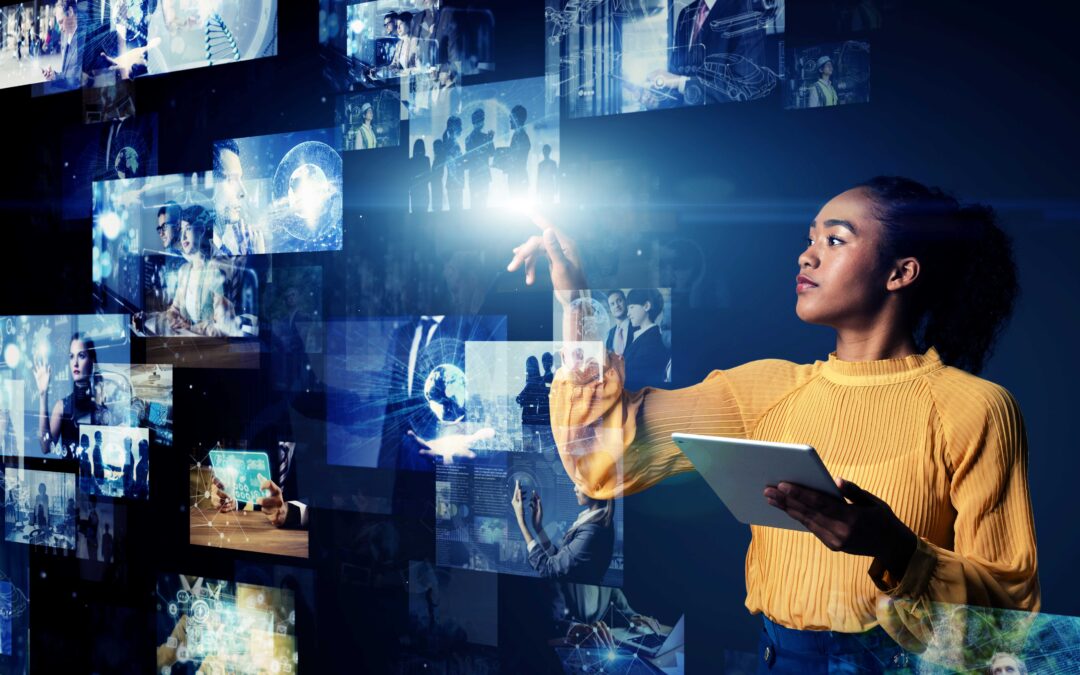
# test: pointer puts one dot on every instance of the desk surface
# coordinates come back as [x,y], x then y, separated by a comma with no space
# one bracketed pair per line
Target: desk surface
[246,531]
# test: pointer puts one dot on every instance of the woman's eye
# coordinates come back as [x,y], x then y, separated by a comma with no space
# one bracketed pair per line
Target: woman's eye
[809,241]
[833,241]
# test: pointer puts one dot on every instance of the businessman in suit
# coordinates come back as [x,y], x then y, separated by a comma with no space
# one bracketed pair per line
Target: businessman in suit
[410,358]
[694,39]
[278,509]
[621,333]
[70,74]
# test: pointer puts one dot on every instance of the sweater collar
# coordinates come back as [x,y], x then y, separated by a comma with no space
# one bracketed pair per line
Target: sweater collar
[885,371]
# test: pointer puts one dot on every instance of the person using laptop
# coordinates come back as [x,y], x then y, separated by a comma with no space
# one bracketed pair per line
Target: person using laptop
[933,459]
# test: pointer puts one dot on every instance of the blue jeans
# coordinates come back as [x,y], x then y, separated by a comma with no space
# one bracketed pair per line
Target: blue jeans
[812,652]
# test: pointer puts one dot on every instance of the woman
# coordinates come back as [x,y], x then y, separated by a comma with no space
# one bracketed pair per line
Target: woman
[917,288]
[646,356]
[81,406]
[585,554]
[199,305]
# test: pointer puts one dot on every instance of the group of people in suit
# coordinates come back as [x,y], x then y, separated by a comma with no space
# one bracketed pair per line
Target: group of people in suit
[636,336]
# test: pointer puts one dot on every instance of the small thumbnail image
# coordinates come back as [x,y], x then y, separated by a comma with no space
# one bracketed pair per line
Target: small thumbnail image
[634,323]
[370,119]
[114,461]
[213,626]
[39,507]
[828,75]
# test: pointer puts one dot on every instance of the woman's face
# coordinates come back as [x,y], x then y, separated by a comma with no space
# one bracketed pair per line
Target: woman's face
[636,313]
[189,237]
[841,281]
[80,360]
[582,499]
[369,115]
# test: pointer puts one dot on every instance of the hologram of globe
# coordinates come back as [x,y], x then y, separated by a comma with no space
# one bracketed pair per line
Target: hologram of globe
[445,390]
[592,319]
[309,190]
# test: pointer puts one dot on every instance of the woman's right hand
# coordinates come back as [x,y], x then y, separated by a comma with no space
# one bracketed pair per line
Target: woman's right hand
[42,376]
[567,274]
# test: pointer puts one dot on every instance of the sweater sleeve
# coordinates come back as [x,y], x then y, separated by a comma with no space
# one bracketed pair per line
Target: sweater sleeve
[613,442]
[992,562]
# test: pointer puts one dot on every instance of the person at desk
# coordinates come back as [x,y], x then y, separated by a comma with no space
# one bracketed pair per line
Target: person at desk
[587,546]
[917,287]
[586,614]
[278,511]
[199,305]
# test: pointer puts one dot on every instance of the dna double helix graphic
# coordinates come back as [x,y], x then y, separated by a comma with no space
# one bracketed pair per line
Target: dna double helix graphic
[219,41]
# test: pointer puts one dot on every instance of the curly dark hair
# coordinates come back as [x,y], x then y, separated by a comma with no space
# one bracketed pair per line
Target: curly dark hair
[967,285]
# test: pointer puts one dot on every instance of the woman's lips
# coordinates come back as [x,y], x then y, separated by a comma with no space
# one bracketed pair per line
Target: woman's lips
[804,283]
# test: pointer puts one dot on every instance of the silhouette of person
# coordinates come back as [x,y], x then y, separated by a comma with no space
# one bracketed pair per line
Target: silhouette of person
[478,153]
[420,191]
[547,177]
[142,471]
[99,464]
[517,161]
[107,545]
[455,166]
[532,394]
[92,533]
[41,508]
[129,467]
[85,470]
[438,175]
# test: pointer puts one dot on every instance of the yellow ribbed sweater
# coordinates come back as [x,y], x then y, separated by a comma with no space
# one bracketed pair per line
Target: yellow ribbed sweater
[945,449]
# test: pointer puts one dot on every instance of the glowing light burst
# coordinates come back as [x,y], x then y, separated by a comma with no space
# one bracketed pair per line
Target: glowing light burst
[12,355]
[110,225]
[309,191]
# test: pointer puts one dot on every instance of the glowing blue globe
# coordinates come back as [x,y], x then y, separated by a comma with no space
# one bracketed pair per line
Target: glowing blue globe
[446,392]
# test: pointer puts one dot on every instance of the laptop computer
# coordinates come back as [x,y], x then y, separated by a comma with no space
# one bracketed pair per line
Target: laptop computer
[654,645]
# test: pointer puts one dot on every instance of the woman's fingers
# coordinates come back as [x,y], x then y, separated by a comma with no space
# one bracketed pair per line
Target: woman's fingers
[523,253]
[530,271]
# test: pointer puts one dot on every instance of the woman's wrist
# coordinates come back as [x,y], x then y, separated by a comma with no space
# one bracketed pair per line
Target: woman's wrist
[900,546]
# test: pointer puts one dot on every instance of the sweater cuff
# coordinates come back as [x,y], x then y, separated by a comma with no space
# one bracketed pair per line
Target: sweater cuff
[916,579]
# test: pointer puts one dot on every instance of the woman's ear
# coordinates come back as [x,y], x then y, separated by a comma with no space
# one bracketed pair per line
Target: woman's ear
[904,273]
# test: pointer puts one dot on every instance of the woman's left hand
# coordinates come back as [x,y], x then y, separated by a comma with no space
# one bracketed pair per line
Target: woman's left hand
[862,524]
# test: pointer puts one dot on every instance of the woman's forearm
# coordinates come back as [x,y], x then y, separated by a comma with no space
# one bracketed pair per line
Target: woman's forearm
[525,531]
[43,425]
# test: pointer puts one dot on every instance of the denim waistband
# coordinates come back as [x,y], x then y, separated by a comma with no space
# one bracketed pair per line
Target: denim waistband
[824,641]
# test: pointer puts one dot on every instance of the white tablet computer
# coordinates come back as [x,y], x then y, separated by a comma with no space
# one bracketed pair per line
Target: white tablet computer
[738,471]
